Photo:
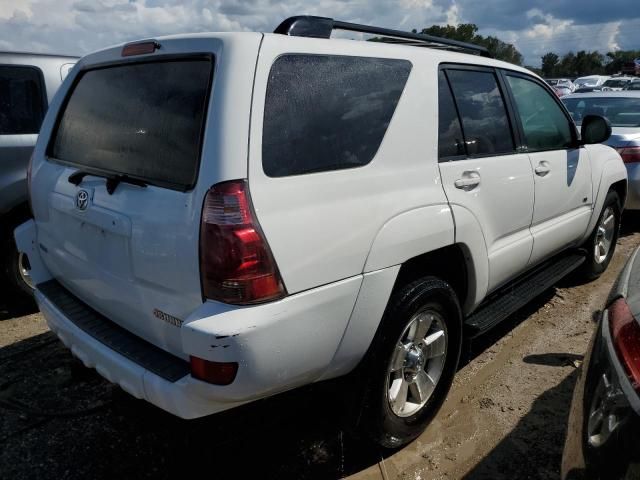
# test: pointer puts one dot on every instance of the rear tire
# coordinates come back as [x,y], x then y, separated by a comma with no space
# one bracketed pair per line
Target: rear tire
[601,244]
[411,363]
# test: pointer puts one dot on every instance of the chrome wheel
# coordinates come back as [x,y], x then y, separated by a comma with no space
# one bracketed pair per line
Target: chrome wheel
[603,414]
[604,235]
[24,270]
[417,363]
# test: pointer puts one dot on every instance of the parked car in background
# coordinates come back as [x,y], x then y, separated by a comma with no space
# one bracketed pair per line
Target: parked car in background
[622,109]
[210,237]
[631,68]
[615,84]
[603,434]
[561,82]
[590,81]
[635,85]
[28,83]
[562,91]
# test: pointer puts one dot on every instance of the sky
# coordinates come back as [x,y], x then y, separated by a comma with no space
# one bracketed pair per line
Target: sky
[534,26]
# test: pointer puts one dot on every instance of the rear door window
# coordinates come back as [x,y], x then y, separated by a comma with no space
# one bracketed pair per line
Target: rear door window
[325,112]
[450,139]
[22,100]
[485,123]
[144,120]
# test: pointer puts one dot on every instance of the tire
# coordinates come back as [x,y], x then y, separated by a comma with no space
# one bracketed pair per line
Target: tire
[14,266]
[603,235]
[429,308]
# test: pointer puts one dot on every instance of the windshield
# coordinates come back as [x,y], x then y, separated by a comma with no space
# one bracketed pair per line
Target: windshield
[621,112]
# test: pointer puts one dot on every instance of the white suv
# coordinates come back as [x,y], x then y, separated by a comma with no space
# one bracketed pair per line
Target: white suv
[222,217]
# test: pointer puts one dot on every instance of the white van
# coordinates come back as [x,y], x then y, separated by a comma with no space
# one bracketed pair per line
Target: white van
[221,217]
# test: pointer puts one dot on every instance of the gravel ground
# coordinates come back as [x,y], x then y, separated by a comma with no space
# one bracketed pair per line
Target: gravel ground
[505,416]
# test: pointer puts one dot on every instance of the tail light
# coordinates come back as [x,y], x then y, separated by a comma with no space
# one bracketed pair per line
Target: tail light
[625,332]
[236,264]
[629,154]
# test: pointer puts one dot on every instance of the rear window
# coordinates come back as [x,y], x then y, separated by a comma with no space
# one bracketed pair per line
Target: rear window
[328,112]
[22,100]
[143,120]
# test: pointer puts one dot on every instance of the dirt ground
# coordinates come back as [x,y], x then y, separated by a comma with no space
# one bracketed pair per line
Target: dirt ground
[504,418]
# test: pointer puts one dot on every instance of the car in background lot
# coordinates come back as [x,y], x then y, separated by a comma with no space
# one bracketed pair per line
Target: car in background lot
[561,82]
[590,81]
[622,109]
[616,84]
[28,82]
[562,91]
[603,435]
[635,85]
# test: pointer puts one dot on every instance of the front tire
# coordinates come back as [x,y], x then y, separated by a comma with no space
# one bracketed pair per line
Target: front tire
[601,244]
[411,363]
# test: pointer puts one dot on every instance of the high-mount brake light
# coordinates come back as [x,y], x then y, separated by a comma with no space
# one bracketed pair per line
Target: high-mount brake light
[236,264]
[625,332]
[139,48]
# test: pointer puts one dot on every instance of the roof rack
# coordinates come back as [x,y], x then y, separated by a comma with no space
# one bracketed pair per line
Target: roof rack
[322,27]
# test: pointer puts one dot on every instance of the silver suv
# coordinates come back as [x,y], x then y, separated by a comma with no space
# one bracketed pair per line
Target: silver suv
[28,82]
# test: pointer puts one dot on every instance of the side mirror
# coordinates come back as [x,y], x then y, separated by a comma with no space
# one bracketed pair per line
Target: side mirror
[595,129]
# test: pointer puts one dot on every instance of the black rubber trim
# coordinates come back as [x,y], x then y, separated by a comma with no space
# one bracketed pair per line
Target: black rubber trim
[115,337]
[514,296]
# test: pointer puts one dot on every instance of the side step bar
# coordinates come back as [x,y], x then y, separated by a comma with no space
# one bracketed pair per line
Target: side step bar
[514,296]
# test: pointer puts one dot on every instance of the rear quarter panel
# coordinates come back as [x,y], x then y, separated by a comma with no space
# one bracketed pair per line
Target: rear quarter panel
[321,226]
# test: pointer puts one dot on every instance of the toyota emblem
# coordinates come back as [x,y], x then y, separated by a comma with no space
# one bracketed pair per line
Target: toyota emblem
[82,200]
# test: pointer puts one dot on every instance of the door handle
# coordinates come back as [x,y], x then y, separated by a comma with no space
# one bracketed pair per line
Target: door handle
[542,169]
[469,181]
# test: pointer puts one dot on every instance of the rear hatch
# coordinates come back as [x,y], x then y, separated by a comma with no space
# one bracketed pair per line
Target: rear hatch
[118,193]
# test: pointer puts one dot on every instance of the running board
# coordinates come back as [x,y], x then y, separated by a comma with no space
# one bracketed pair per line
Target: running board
[515,295]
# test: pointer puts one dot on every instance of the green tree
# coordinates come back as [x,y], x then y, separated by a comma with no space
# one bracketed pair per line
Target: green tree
[550,63]
[468,32]
[615,60]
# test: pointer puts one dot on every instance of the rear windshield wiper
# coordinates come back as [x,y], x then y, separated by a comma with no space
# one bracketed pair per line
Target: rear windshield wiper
[112,180]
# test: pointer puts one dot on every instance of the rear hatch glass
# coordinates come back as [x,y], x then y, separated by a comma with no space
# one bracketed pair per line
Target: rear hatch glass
[143,120]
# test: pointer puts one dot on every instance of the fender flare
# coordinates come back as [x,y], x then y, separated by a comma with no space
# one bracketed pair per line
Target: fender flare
[410,234]
[612,171]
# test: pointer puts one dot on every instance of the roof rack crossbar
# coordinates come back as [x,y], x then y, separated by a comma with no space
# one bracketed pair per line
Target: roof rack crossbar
[322,27]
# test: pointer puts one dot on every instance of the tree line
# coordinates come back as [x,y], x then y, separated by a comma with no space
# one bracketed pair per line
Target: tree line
[468,32]
[585,63]
[553,65]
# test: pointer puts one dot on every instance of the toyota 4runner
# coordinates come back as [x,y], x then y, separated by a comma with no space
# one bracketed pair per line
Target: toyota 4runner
[222,217]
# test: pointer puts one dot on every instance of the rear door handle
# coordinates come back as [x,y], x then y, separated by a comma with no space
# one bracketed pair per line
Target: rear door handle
[469,181]
[542,169]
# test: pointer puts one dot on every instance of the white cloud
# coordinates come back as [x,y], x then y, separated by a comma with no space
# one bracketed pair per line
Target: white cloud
[80,26]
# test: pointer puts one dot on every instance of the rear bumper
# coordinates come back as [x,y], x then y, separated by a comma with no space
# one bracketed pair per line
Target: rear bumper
[278,346]
[179,398]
